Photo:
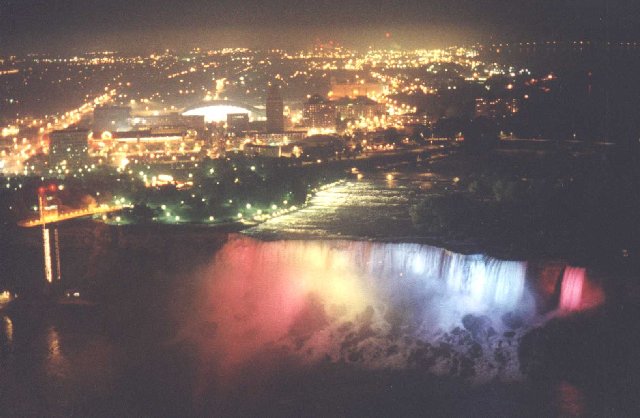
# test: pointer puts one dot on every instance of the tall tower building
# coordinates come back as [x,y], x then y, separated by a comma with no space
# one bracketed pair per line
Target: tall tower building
[69,147]
[275,110]
[319,113]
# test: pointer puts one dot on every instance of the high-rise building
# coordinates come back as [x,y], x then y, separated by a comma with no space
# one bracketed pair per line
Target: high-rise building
[319,113]
[275,110]
[69,147]
[237,123]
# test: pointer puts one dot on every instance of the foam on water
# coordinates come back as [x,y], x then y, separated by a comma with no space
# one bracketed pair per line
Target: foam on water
[371,303]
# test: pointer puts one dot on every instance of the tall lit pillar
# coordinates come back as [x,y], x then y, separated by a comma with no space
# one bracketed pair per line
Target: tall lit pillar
[46,245]
[56,248]
[48,274]
[46,236]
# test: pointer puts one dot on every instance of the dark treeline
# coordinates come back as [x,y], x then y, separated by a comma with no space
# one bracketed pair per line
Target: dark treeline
[555,204]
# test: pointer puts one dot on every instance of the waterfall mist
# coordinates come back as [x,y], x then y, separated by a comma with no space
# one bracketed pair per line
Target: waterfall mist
[370,304]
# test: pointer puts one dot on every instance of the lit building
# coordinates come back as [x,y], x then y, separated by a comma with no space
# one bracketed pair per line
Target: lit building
[275,110]
[358,108]
[320,147]
[354,89]
[111,118]
[271,151]
[285,137]
[237,123]
[216,111]
[148,136]
[145,144]
[171,120]
[69,147]
[319,113]
[496,108]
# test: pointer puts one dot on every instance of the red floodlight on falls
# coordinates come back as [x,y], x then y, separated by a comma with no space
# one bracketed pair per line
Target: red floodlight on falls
[41,190]
[53,188]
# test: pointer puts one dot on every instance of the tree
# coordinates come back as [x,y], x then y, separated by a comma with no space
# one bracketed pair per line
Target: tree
[481,135]
[391,136]
[142,213]
[448,127]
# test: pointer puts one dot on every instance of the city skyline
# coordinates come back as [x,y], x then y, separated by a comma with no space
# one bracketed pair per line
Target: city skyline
[33,26]
[319,208]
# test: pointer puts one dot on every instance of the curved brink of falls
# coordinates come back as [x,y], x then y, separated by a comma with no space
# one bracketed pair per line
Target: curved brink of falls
[368,303]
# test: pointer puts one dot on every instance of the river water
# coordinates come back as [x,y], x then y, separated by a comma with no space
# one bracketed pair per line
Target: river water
[333,310]
[369,205]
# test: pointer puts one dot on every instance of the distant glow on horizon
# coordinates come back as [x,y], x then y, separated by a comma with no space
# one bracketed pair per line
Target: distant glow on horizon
[217,113]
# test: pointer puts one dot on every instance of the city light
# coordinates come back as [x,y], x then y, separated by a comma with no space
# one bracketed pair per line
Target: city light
[217,113]
[319,208]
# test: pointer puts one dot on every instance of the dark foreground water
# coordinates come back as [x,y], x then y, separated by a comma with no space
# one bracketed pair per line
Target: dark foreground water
[192,322]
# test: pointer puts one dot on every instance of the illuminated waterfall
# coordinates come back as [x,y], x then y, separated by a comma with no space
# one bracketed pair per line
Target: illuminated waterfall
[571,288]
[492,282]
[485,282]
[270,282]
[378,303]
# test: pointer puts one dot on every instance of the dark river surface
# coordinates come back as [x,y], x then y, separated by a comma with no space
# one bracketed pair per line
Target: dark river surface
[333,310]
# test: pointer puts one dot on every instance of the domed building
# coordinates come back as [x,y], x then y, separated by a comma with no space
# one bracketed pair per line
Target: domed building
[216,111]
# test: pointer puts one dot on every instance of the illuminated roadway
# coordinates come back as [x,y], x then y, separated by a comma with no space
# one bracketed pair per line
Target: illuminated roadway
[65,216]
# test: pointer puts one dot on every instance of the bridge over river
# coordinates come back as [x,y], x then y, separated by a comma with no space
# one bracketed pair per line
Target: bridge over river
[49,218]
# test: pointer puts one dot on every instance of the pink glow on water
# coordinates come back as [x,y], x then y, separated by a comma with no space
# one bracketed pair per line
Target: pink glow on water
[258,295]
[570,401]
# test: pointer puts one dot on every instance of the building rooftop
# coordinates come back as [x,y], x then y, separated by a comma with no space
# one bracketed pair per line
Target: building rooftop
[359,100]
[317,99]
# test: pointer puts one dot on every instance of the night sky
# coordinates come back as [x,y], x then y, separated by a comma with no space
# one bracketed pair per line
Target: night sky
[40,25]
